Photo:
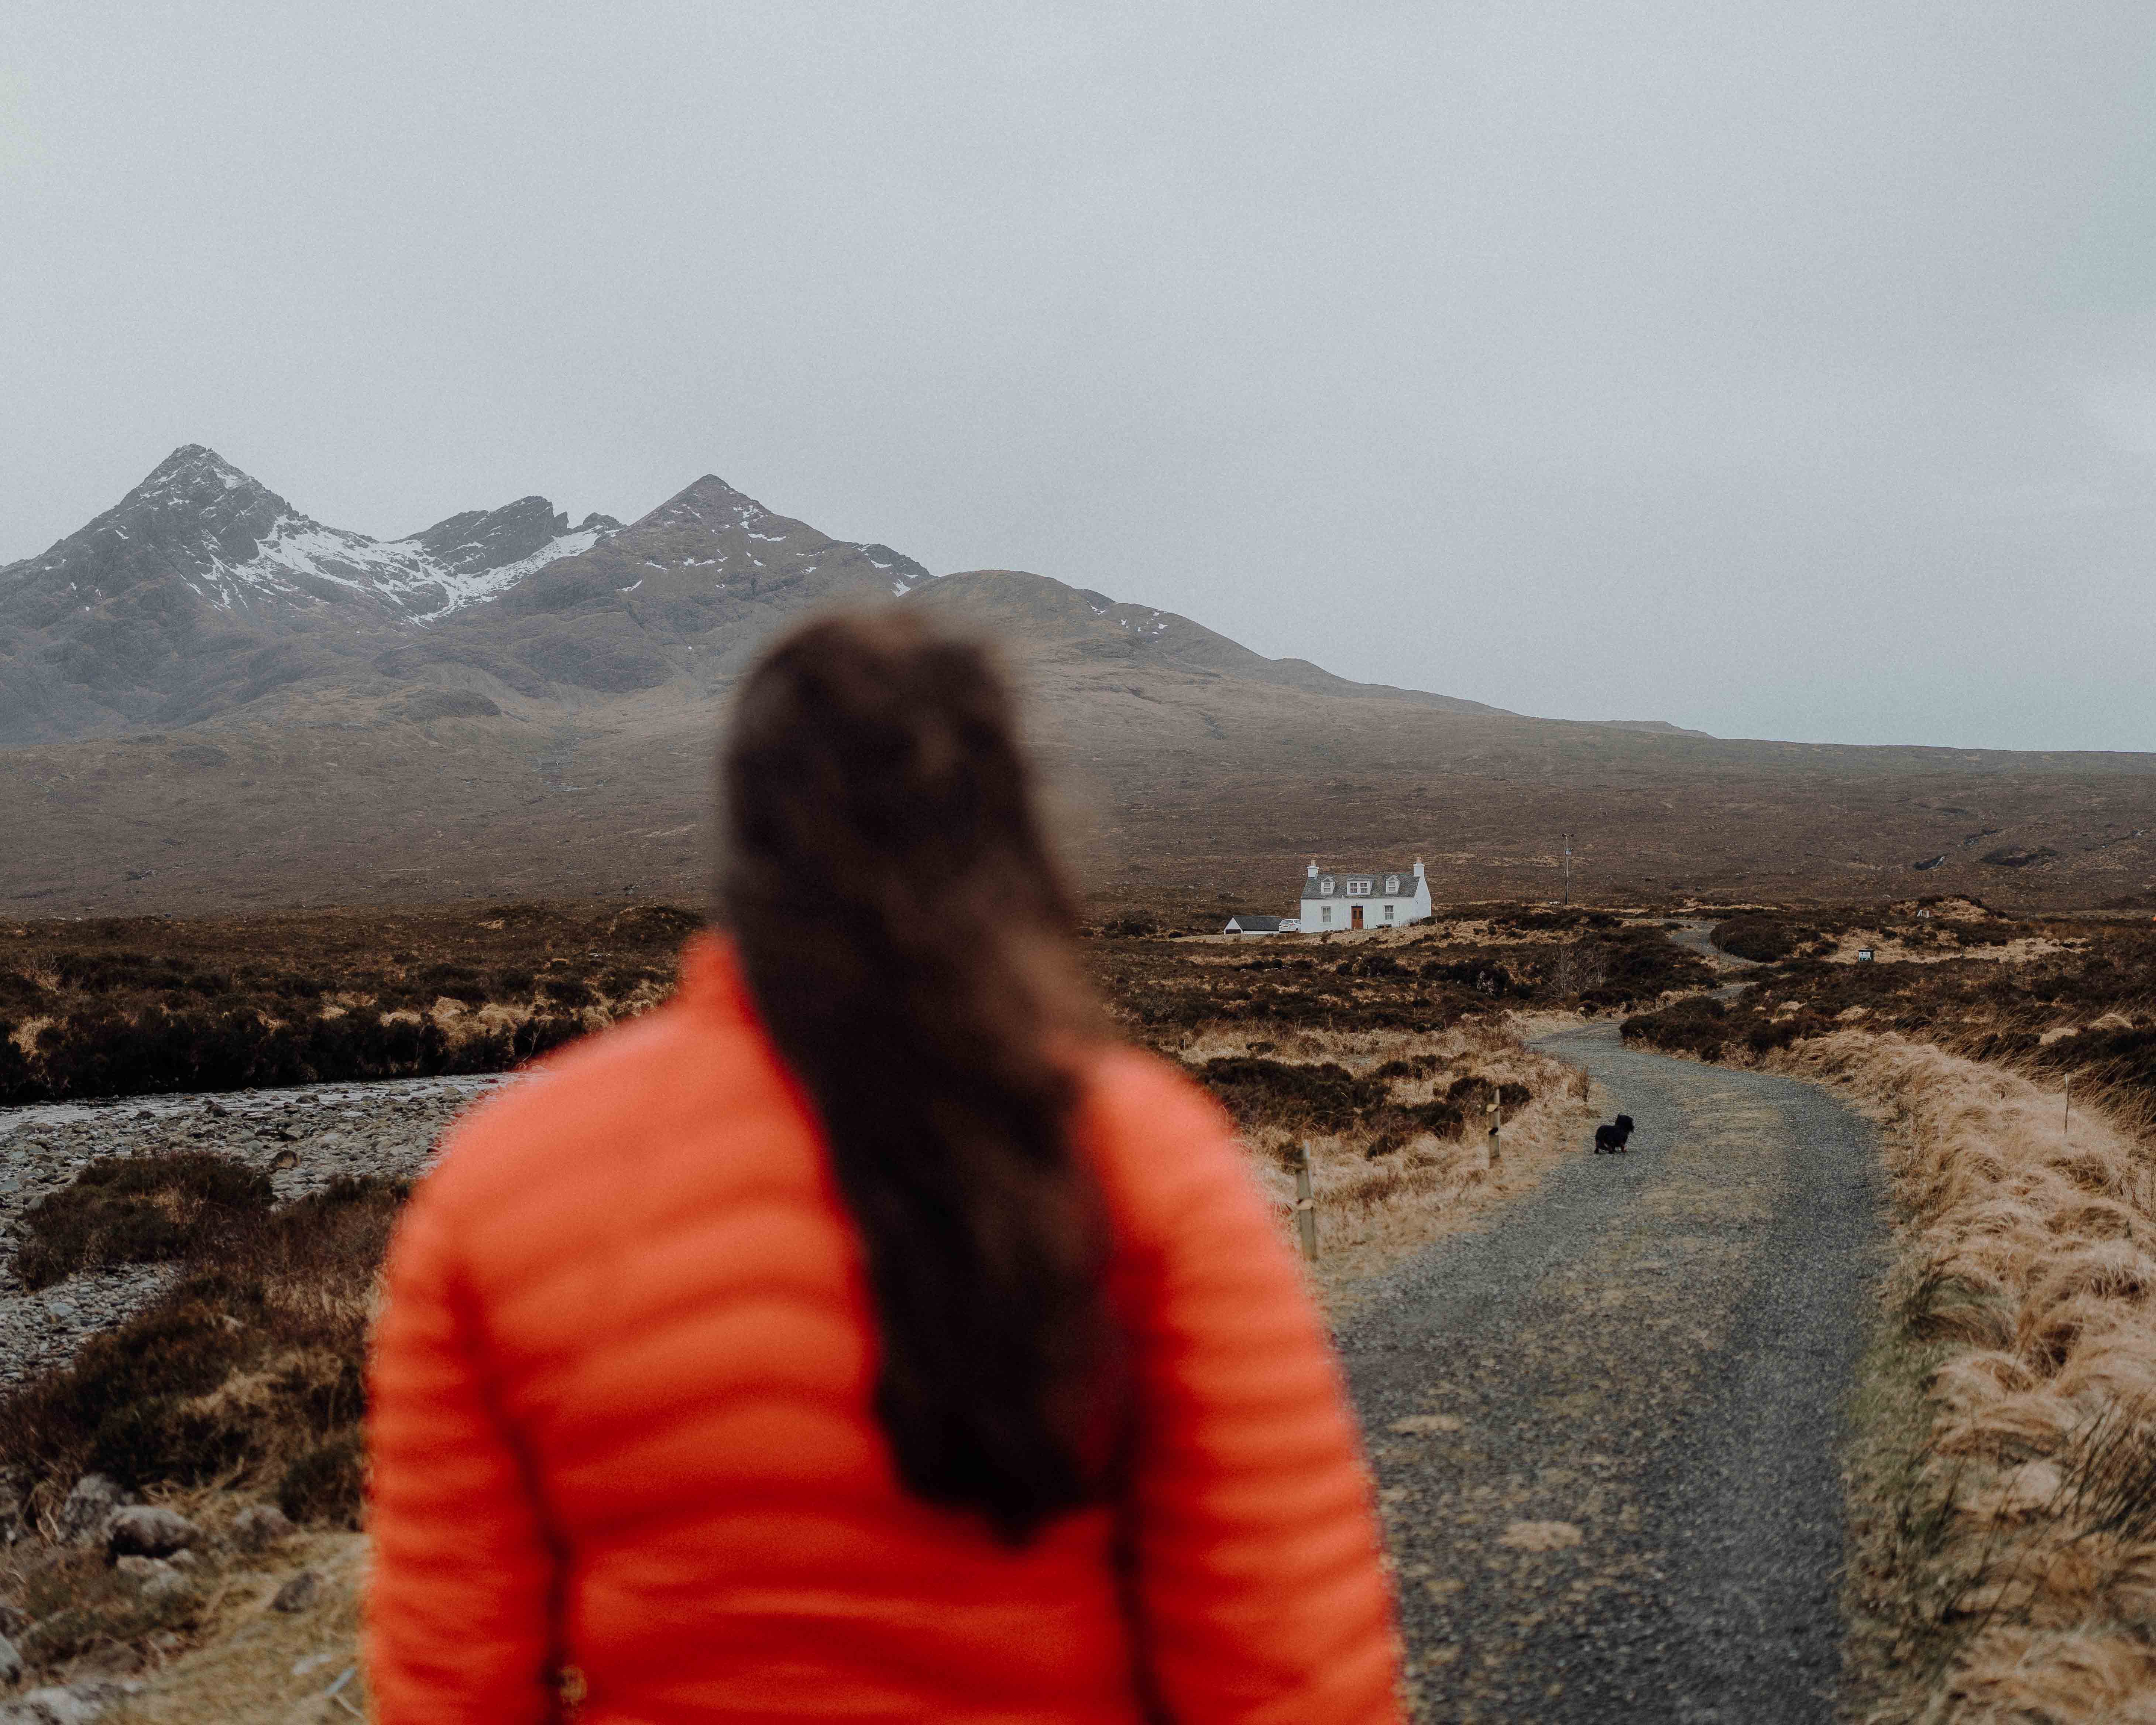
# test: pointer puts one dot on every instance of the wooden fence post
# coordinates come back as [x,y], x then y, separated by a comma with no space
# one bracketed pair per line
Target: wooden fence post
[1306,1205]
[1497,1132]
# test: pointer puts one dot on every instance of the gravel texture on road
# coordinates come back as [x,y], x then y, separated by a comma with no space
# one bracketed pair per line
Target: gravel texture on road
[1607,1431]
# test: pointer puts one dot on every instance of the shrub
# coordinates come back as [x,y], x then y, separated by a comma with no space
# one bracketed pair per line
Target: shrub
[454,982]
[1765,937]
[327,1484]
[165,1439]
[15,1084]
[1318,1098]
[123,1407]
[247,1367]
[1483,976]
[138,1209]
[662,925]
[136,1006]
[1697,1027]
[1641,963]
[1477,1092]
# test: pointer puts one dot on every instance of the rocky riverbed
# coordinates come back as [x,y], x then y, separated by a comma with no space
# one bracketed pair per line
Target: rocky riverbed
[302,1138]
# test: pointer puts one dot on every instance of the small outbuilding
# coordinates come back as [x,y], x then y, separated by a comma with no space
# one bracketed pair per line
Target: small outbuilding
[1258,925]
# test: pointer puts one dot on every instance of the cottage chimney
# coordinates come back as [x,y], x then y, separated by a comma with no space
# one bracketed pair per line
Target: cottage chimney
[1313,868]
[1420,876]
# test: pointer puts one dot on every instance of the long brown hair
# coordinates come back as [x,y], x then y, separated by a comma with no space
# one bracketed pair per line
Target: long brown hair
[907,936]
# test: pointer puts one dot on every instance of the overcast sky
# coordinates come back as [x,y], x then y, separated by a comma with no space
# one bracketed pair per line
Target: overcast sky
[1783,369]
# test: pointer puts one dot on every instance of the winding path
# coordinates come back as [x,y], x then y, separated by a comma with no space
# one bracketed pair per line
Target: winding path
[1616,1497]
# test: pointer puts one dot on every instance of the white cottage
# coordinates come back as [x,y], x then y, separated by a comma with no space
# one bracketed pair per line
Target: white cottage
[1364,898]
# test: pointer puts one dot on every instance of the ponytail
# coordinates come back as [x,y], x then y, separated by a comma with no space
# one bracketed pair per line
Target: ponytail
[908,939]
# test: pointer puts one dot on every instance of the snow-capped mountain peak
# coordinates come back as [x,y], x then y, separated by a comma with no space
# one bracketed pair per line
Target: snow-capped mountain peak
[235,543]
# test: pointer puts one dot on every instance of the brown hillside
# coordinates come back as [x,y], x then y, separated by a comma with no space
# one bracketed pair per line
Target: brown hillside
[1190,790]
[308,716]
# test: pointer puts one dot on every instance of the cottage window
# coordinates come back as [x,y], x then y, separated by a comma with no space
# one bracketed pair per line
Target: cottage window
[1358,888]
[1392,883]
[1326,884]
[1325,913]
[1388,913]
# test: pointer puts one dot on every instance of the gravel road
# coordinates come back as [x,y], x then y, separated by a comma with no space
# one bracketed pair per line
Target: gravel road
[1605,1429]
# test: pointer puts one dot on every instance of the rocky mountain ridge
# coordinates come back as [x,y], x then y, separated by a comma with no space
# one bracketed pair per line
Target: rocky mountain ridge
[203,594]
[202,589]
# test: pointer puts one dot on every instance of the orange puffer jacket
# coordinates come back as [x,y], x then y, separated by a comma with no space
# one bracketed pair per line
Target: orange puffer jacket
[621,1420]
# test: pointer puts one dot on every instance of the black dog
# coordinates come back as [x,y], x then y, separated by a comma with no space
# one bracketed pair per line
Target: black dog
[1612,1138]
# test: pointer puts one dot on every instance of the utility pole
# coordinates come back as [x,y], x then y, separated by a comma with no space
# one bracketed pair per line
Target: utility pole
[2067,1125]
[1567,868]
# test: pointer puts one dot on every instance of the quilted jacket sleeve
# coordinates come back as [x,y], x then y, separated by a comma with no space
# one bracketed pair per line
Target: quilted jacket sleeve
[458,1605]
[1258,1590]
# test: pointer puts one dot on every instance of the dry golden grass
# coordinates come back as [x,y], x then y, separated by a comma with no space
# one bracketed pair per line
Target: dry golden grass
[2011,1574]
[1372,1212]
[258,1666]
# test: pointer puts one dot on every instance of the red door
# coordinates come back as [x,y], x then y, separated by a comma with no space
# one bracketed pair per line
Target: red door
[1354,916]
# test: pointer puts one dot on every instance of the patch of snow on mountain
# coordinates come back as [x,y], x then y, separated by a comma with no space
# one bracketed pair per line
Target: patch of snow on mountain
[399,572]
[458,590]
[297,551]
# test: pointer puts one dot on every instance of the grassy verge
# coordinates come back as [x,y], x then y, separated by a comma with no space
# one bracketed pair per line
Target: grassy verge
[1902,1582]
[1396,1126]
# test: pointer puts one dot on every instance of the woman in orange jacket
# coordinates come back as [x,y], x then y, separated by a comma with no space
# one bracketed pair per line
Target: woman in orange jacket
[865,1334]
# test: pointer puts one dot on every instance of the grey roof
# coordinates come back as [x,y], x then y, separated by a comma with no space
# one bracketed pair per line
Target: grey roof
[1252,925]
[1307,888]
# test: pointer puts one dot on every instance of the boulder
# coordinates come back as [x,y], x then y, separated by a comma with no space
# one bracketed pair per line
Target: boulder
[88,1506]
[297,1593]
[70,1704]
[158,1579]
[260,1525]
[148,1531]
